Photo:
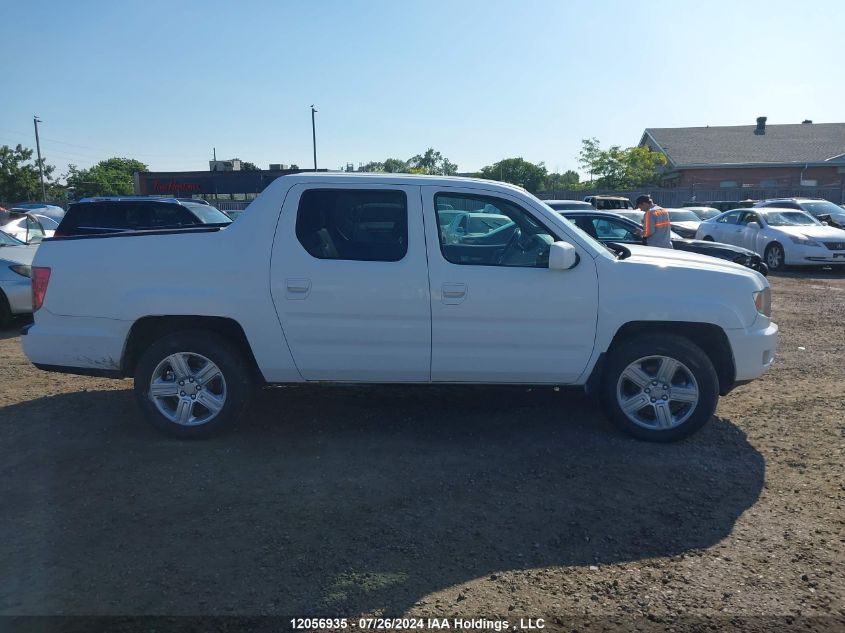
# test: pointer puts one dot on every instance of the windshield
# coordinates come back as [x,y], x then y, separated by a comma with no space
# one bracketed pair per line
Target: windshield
[8,240]
[790,218]
[48,223]
[705,213]
[821,207]
[633,214]
[208,214]
[683,216]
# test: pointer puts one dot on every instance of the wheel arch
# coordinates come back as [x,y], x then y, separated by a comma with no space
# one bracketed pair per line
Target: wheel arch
[709,337]
[774,242]
[149,329]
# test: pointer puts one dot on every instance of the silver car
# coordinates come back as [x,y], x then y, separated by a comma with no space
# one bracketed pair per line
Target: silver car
[15,285]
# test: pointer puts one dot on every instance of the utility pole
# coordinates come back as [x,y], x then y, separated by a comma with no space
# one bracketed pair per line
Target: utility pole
[314,135]
[35,122]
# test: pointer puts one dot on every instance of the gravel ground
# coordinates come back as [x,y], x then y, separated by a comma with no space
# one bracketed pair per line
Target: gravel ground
[487,502]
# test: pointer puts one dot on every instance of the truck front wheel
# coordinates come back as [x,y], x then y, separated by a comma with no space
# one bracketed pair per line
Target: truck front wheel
[192,384]
[659,388]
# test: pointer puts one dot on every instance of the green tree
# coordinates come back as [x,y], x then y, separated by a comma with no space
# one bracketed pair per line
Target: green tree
[389,166]
[19,178]
[433,163]
[643,166]
[394,166]
[111,177]
[617,168]
[248,166]
[517,171]
[590,155]
[567,180]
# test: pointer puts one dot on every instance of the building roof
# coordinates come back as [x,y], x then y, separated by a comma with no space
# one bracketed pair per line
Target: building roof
[739,145]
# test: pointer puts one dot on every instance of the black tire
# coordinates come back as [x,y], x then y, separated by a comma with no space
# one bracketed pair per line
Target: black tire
[235,383]
[5,311]
[707,238]
[774,256]
[691,416]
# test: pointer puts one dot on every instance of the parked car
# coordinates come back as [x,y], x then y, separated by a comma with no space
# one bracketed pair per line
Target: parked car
[821,209]
[569,205]
[15,284]
[724,205]
[475,228]
[784,237]
[703,213]
[93,216]
[41,208]
[47,223]
[347,277]
[683,222]
[25,227]
[610,227]
[609,203]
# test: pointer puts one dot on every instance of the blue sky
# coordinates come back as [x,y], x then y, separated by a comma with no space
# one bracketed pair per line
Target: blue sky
[164,82]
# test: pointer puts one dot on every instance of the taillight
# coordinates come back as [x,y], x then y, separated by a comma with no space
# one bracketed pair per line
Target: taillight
[40,279]
[59,234]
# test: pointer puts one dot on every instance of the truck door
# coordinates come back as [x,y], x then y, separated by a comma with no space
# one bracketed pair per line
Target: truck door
[350,283]
[498,313]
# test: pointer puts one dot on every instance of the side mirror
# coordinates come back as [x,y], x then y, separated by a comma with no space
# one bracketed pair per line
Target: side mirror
[562,256]
[753,225]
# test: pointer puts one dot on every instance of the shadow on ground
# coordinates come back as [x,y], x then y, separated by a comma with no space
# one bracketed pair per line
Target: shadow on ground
[333,500]
[13,329]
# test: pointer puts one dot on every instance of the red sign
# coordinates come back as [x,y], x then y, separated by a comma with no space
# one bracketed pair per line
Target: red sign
[175,187]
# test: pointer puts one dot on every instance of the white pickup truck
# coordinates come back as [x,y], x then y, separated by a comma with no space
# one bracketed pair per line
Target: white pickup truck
[347,278]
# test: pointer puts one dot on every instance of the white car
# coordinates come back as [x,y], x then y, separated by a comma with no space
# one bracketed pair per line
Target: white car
[783,237]
[469,226]
[704,213]
[684,222]
[15,283]
[28,227]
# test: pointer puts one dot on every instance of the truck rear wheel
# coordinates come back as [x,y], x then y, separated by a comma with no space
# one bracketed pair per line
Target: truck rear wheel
[659,388]
[192,384]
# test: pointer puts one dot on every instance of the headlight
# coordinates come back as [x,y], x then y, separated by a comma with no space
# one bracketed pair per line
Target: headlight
[22,269]
[803,241]
[763,301]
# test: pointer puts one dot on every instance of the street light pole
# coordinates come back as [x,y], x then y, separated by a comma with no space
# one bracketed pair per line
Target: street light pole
[314,135]
[35,122]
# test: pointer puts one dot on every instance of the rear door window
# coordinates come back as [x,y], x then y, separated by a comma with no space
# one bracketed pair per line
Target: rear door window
[355,224]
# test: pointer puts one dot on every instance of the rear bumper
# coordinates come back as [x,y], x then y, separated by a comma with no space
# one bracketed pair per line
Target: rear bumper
[754,349]
[85,345]
[19,294]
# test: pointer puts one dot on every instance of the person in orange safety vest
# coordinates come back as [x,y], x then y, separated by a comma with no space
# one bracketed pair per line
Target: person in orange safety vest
[656,228]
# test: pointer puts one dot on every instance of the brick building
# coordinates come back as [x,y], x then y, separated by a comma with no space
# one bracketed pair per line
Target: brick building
[802,155]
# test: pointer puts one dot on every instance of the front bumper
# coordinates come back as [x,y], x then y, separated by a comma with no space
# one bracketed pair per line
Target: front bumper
[754,349]
[810,255]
